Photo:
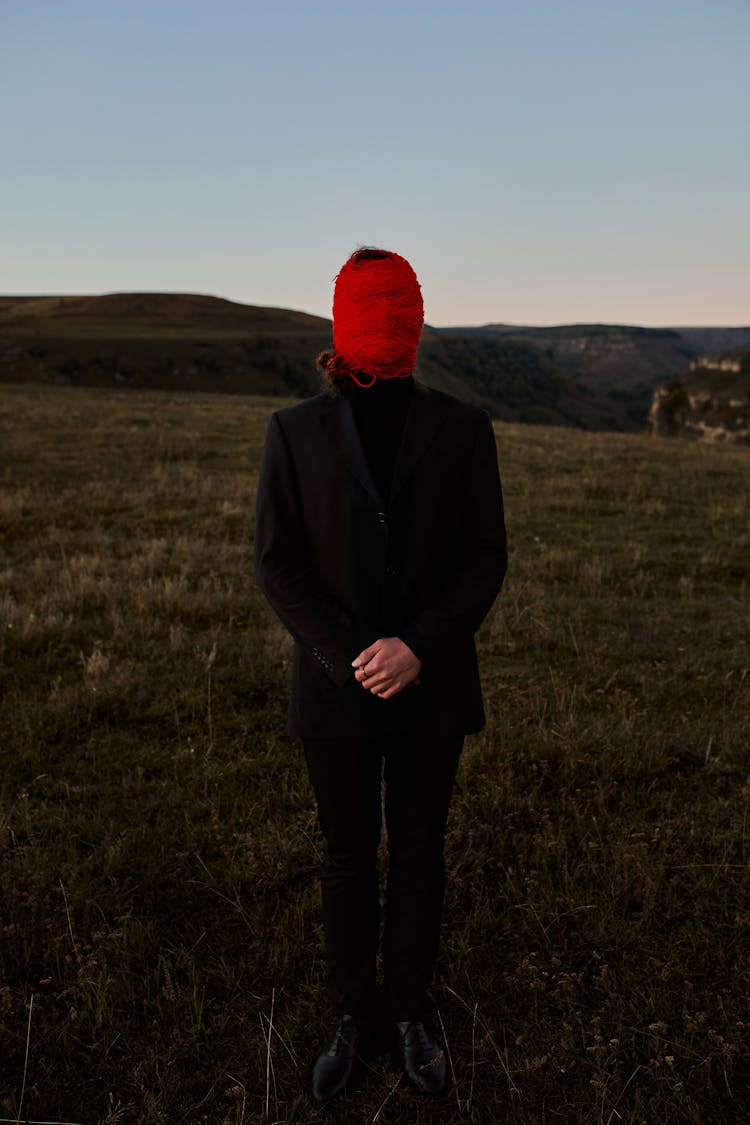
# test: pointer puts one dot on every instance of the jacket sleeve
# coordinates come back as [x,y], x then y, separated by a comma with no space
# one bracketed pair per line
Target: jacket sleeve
[313,615]
[468,597]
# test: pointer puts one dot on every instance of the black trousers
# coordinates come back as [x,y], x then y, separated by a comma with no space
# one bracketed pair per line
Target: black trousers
[347,777]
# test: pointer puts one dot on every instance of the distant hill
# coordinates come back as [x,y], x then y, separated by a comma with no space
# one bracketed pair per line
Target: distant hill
[714,340]
[518,381]
[147,312]
[606,357]
[162,340]
[595,376]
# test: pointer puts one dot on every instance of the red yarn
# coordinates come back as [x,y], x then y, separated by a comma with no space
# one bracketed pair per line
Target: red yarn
[377,317]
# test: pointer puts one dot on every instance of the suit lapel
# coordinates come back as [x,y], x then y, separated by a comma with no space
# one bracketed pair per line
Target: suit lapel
[423,419]
[425,416]
[340,424]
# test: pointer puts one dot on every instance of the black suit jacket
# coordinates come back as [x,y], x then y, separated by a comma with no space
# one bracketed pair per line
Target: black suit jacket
[342,565]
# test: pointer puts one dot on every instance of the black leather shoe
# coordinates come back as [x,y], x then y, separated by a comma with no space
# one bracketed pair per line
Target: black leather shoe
[336,1065]
[423,1059]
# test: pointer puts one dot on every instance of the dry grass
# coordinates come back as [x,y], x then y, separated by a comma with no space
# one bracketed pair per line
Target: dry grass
[160,944]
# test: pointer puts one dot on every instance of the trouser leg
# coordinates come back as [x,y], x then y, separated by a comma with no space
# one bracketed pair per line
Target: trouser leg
[419,776]
[346,778]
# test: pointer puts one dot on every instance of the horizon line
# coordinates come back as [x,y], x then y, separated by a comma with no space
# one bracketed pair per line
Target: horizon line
[318,316]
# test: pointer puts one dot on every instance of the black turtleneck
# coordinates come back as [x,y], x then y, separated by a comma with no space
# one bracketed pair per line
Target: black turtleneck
[380,412]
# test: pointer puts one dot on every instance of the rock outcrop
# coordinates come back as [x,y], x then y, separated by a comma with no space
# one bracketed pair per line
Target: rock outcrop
[711,402]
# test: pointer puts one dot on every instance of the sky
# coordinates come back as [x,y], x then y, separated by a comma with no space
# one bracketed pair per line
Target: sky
[537,161]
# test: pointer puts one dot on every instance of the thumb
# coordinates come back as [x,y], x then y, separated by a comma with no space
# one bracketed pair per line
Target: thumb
[365,655]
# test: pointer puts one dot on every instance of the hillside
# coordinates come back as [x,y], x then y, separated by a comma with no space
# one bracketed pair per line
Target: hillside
[517,381]
[168,341]
[714,340]
[146,312]
[616,359]
[593,376]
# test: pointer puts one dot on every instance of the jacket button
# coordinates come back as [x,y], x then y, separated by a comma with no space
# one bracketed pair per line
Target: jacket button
[390,571]
[382,517]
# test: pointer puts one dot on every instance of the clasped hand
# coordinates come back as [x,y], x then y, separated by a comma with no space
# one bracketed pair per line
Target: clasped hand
[386,667]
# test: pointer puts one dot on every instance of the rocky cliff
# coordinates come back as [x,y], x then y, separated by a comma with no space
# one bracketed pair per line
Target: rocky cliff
[711,402]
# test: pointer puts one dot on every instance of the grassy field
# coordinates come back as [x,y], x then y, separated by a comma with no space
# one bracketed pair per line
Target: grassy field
[160,944]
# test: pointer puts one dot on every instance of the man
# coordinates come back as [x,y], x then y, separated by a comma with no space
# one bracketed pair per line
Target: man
[380,543]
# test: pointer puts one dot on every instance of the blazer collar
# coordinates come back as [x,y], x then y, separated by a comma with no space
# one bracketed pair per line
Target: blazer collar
[424,417]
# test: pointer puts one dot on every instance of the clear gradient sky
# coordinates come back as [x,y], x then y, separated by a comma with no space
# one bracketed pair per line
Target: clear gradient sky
[538,161]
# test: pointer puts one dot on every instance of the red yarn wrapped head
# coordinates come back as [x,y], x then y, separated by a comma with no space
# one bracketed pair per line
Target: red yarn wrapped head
[377,317]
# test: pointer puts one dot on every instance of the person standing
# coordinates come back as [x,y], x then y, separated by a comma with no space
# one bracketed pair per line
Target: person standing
[380,544]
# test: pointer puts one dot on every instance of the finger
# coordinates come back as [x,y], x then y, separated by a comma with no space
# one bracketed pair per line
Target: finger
[376,689]
[379,694]
[375,685]
[367,654]
[378,681]
[394,689]
[370,674]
